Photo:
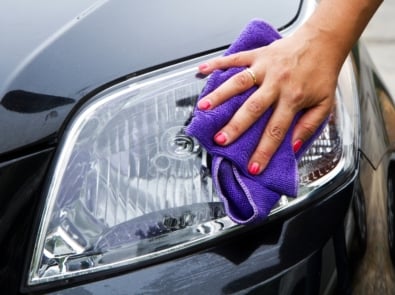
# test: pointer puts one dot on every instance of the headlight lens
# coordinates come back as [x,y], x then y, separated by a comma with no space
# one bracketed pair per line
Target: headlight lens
[128,184]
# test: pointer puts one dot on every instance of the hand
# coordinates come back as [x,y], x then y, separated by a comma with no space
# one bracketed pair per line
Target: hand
[292,74]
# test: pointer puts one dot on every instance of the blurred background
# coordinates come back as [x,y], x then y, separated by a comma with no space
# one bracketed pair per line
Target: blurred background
[375,273]
[379,38]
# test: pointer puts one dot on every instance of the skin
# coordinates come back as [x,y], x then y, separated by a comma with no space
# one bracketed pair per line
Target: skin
[294,73]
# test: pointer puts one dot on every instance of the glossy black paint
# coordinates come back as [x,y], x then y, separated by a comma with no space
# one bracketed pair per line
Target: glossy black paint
[294,254]
[100,43]
[21,182]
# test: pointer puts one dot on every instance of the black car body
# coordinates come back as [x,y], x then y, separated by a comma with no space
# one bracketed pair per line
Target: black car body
[62,60]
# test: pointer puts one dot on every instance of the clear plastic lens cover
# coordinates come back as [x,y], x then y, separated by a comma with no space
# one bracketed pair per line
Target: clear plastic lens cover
[129,185]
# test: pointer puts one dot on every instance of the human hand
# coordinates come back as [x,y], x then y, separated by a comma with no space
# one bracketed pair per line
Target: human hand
[292,74]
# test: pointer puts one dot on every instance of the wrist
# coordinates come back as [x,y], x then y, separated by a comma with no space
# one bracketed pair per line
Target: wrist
[323,42]
[335,26]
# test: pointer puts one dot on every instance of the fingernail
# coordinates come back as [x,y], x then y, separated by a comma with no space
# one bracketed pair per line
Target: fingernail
[297,145]
[204,105]
[253,168]
[220,138]
[203,67]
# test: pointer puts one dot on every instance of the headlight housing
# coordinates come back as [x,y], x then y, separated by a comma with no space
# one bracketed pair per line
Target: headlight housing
[128,185]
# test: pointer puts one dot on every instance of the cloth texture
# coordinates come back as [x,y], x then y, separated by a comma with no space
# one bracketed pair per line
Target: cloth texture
[247,198]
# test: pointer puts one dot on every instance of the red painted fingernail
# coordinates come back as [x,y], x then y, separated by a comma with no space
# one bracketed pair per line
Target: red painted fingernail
[220,138]
[253,168]
[297,145]
[204,105]
[203,67]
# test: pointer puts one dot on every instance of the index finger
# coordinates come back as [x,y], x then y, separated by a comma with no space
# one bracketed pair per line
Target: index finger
[236,84]
[240,59]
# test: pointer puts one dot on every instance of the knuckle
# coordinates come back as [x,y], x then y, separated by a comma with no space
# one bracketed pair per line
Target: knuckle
[276,133]
[235,59]
[296,100]
[255,107]
[308,128]
[297,95]
[242,80]
[262,155]
[283,75]
[216,96]
[233,128]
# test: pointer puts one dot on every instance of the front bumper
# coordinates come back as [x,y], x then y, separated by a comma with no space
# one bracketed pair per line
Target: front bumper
[300,252]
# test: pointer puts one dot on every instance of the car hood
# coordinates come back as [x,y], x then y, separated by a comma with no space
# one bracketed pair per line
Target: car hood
[54,54]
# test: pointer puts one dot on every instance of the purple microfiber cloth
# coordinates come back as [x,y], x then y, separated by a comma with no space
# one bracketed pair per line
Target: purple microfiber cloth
[247,198]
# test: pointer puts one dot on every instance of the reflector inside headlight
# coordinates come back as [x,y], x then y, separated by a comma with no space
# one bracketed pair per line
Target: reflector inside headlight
[129,185]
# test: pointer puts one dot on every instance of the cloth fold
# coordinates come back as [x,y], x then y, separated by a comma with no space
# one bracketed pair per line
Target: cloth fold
[247,198]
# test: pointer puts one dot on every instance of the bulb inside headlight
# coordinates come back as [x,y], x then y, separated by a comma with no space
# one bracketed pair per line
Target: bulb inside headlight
[128,184]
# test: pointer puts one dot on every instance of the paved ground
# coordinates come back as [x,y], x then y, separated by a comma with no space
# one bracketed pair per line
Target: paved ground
[380,40]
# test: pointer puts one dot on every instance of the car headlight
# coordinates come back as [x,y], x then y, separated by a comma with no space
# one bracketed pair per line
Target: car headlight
[128,185]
